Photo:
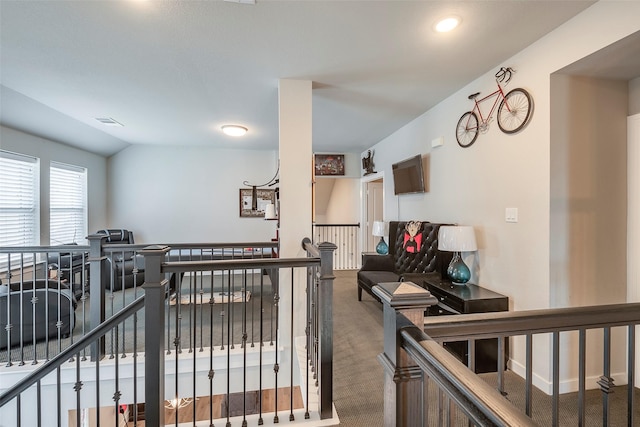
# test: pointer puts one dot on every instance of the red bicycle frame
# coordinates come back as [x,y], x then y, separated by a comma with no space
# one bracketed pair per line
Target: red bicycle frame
[483,121]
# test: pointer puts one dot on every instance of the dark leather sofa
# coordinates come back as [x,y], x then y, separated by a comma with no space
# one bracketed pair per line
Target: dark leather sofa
[50,296]
[127,268]
[407,260]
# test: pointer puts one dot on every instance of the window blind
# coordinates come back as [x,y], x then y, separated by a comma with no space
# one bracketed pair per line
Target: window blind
[19,201]
[67,204]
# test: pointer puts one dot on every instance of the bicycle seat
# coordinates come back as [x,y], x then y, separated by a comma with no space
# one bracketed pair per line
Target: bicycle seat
[473,95]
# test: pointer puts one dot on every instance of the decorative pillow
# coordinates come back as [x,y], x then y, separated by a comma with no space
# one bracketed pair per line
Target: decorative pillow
[412,237]
[378,263]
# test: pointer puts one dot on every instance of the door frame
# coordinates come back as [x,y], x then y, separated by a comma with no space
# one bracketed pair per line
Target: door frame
[364,215]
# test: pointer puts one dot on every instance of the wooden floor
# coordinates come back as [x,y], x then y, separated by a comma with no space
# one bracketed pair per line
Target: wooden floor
[206,407]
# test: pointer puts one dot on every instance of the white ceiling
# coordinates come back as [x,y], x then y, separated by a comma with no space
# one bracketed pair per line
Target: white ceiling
[173,72]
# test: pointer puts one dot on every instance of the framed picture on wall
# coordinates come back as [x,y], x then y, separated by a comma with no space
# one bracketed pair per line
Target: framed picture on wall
[263,198]
[329,164]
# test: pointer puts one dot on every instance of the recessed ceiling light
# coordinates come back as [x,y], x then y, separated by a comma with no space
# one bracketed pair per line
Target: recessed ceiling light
[447,24]
[234,130]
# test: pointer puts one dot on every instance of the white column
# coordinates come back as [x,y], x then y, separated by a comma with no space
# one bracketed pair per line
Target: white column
[296,159]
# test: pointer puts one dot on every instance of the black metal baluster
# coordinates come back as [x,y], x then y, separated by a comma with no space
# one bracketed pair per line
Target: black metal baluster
[316,327]
[307,343]
[581,375]
[253,281]
[39,402]
[195,334]
[135,367]
[18,410]
[34,302]
[112,282]
[97,362]
[555,410]
[528,374]
[22,361]
[9,326]
[222,309]
[291,359]
[230,307]
[229,345]
[58,397]
[606,382]
[202,310]
[631,330]
[261,344]
[276,367]
[117,393]
[83,298]
[244,349]
[170,298]
[211,371]
[77,388]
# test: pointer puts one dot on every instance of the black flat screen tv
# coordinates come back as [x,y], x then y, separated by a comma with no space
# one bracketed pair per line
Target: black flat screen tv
[408,176]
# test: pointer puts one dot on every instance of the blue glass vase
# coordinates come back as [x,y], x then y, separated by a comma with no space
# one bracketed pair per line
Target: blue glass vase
[382,247]
[458,271]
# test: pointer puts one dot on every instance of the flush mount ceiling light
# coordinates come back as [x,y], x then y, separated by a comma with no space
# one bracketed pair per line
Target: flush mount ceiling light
[234,130]
[447,24]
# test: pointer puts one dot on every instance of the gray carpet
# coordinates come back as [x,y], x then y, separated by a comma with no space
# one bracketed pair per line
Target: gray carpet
[357,341]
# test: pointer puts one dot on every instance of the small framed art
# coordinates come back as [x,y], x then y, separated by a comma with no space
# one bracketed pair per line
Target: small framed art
[329,164]
[263,198]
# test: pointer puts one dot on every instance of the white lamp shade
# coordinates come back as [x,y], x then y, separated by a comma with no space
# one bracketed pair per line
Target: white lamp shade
[457,238]
[378,228]
[270,211]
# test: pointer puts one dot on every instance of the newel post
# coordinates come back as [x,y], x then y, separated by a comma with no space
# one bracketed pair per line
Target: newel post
[154,287]
[403,379]
[325,301]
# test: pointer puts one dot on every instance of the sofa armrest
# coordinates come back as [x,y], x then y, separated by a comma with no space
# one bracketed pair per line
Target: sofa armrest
[377,263]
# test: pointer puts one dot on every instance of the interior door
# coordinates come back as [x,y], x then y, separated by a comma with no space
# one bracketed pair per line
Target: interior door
[375,209]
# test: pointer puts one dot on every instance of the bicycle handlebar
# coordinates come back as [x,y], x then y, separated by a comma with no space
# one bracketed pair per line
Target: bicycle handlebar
[504,74]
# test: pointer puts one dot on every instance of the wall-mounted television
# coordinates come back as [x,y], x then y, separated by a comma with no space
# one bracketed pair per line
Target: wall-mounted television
[408,176]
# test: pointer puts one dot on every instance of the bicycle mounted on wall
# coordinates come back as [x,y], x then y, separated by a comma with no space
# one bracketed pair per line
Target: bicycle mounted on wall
[514,111]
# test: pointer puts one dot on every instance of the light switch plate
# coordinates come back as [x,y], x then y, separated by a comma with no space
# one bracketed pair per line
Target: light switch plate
[437,142]
[511,214]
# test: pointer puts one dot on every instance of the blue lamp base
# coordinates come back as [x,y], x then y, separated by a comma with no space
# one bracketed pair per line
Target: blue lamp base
[458,271]
[382,247]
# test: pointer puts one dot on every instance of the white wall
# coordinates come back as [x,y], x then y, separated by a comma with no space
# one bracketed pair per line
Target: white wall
[473,186]
[588,191]
[47,151]
[184,194]
[344,204]
[337,200]
[588,263]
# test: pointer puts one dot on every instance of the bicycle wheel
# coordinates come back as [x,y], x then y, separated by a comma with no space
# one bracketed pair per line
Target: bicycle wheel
[467,129]
[514,111]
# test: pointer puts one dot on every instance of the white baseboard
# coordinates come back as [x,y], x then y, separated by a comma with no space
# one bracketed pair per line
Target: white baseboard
[566,386]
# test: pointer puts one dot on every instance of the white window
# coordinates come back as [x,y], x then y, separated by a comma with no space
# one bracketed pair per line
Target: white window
[19,201]
[68,204]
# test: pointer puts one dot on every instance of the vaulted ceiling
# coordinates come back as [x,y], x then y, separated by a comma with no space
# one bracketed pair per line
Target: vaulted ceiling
[173,72]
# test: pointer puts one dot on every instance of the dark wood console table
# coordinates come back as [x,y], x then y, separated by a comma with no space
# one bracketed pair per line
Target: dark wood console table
[464,299]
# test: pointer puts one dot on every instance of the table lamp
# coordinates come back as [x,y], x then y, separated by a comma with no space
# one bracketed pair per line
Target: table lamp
[378,231]
[456,239]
